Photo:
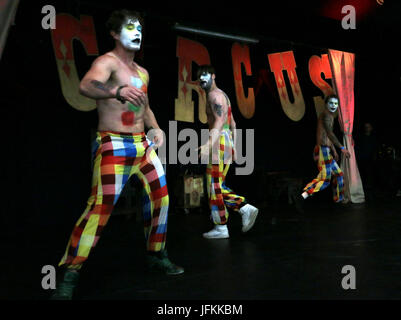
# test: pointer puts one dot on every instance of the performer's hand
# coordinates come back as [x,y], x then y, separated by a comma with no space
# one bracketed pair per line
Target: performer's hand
[134,95]
[346,153]
[158,138]
[203,152]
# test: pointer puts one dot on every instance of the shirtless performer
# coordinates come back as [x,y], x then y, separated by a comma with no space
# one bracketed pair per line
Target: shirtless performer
[220,150]
[328,167]
[119,86]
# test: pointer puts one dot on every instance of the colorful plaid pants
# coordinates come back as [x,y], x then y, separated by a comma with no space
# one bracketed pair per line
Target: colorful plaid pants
[220,196]
[118,156]
[328,171]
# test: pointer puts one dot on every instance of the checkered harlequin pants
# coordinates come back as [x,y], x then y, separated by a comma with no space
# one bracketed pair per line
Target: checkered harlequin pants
[220,196]
[118,156]
[328,171]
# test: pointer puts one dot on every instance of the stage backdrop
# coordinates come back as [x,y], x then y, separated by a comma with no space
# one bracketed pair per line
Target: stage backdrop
[279,72]
[276,88]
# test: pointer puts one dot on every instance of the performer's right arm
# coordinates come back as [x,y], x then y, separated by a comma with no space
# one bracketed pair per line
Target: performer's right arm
[93,85]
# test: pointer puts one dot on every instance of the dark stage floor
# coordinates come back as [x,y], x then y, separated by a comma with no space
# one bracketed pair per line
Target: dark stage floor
[292,258]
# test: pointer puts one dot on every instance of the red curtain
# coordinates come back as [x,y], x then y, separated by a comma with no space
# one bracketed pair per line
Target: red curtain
[343,70]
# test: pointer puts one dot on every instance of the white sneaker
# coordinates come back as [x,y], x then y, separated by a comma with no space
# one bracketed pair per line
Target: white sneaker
[249,214]
[218,232]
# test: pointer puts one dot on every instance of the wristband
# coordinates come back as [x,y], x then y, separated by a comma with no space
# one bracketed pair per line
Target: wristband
[343,148]
[118,97]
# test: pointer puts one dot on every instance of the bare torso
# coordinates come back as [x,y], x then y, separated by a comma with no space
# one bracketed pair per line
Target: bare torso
[114,115]
[322,138]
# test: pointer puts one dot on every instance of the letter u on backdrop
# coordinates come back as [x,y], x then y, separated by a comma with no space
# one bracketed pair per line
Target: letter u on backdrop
[285,61]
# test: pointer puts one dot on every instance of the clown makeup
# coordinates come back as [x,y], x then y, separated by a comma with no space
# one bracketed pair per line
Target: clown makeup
[205,80]
[332,105]
[131,35]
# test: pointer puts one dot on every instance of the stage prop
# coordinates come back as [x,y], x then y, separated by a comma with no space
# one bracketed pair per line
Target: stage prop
[193,189]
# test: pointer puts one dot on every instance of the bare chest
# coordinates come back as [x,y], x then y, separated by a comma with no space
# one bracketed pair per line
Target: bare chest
[125,75]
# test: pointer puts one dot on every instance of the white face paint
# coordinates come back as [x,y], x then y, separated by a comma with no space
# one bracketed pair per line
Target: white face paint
[205,80]
[332,104]
[131,35]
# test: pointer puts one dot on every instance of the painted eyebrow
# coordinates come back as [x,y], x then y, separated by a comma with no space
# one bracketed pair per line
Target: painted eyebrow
[133,21]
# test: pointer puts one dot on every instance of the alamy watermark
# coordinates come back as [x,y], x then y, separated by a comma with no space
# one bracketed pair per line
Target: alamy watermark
[349,20]
[348,281]
[188,152]
[49,280]
[49,20]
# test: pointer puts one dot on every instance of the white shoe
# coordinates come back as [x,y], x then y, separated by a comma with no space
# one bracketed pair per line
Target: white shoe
[305,195]
[218,232]
[249,214]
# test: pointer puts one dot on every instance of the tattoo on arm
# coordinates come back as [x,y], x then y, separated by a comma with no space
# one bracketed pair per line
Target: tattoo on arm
[101,86]
[218,108]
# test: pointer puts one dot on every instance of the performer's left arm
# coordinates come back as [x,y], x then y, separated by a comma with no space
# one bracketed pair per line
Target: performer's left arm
[150,122]
[233,128]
